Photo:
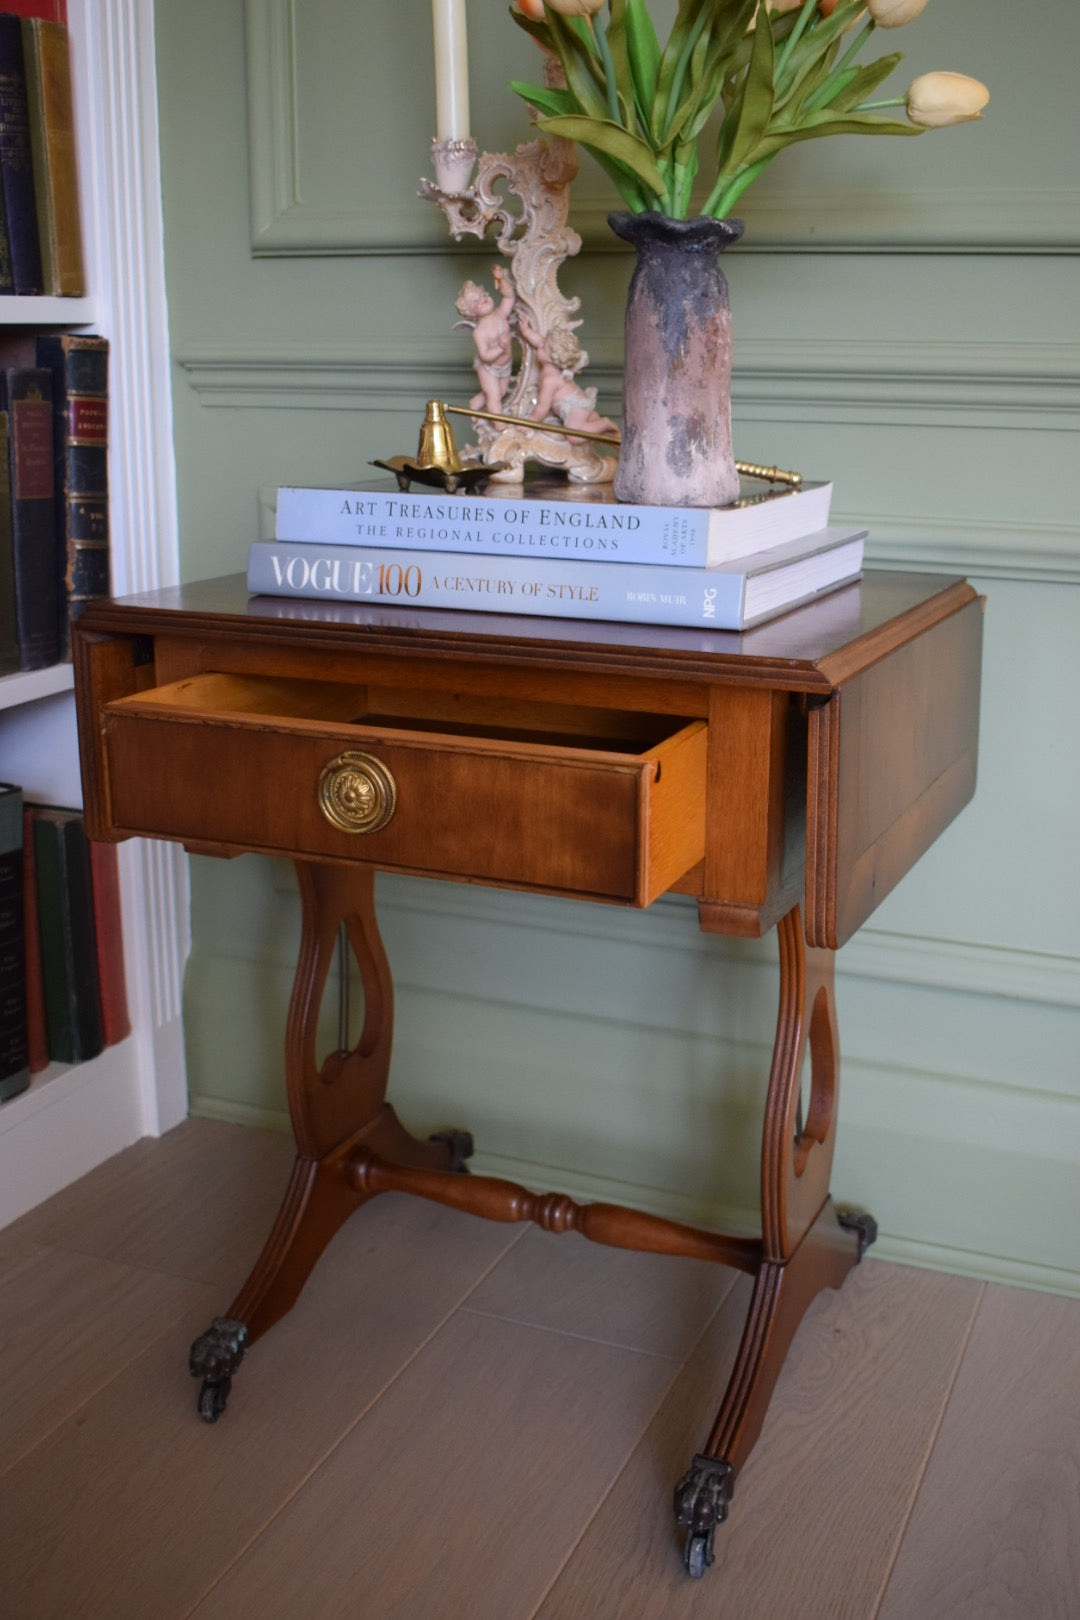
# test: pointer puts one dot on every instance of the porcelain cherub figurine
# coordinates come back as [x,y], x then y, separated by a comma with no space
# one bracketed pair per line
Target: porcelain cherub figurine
[492,337]
[560,356]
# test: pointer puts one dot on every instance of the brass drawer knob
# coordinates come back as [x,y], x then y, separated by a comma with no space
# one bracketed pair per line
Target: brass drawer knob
[356,792]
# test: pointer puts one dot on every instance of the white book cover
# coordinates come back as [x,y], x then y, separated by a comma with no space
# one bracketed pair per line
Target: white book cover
[554,520]
[733,597]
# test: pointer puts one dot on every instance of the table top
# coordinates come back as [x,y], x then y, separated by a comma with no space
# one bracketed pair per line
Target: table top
[810,649]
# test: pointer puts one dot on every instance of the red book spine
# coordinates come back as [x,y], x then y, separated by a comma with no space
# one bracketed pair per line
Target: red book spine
[37,1039]
[48,10]
[109,938]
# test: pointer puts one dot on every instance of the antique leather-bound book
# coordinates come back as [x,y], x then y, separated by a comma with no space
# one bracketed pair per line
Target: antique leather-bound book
[51,10]
[9,640]
[7,273]
[14,1056]
[65,905]
[16,161]
[26,394]
[109,938]
[52,143]
[37,1038]
[80,383]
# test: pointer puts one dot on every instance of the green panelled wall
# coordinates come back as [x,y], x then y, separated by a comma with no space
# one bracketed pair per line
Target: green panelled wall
[905,323]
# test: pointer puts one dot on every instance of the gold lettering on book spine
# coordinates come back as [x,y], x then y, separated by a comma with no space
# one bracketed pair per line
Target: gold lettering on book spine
[356,793]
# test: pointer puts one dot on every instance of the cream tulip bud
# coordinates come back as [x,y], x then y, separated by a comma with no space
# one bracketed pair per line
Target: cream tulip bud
[937,99]
[575,8]
[895,13]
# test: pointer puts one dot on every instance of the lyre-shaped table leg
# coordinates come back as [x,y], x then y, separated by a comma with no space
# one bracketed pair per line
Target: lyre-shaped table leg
[335,1107]
[806,1245]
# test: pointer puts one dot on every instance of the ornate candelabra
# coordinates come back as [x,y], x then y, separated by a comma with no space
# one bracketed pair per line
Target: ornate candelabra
[525,198]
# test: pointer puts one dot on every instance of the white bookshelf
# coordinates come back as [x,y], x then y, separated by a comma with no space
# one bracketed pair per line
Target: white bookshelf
[18,690]
[73,1118]
[69,313]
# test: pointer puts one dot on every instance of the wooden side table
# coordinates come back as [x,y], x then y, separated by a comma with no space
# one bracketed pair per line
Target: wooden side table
[787,778]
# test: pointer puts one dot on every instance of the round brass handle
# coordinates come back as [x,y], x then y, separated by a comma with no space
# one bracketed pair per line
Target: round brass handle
[356,793]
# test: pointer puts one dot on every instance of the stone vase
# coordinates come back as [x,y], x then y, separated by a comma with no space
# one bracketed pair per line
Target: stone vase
[676,432]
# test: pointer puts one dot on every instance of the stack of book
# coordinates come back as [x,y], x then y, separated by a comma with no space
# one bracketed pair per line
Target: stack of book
[54,492]
[560,551]
[41,249]
[63,995]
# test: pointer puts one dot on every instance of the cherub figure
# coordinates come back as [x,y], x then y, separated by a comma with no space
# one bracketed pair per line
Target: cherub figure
[492,337]
[561,357]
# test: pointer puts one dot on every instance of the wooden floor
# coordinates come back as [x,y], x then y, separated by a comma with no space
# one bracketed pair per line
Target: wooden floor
[468,1420]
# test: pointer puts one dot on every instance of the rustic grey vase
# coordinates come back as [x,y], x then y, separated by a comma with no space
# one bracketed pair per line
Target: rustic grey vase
[676,433]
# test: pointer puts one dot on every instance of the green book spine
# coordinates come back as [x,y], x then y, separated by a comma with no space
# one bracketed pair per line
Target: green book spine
[14,1054]
[65,909]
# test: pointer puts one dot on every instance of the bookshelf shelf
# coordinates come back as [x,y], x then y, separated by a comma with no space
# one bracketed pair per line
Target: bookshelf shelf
[35,312]
[32,684]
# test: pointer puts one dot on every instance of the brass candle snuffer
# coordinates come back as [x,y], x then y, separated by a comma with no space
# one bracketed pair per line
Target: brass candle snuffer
[438,462]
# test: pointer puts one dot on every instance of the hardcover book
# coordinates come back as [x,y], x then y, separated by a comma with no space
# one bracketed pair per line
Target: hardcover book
[109,939]
[79,367]
[7,274]
[14,1054]
[37,1037]
[16,161]
[51,10]
[9,640]
[65,905]
[26,395]
[733,597]
[554,519]
[52,145]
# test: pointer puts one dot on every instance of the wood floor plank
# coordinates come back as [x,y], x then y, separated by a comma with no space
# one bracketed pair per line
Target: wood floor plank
[15,1253]
[820,1507]
[133,1506]
[643,1301]
[996,1528]
[197,1202]
[71,1323]
[461,1492]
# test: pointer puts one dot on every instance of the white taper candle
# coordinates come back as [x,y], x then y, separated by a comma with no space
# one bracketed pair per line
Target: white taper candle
[451,70]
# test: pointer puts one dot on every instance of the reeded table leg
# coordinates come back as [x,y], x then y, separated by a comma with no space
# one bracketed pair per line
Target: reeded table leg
[336,1108]
[806,1246]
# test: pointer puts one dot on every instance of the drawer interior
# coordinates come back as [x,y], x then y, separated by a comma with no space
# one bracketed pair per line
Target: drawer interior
[404,709]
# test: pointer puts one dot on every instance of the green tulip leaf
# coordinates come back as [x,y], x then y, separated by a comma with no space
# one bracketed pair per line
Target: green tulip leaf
[729,42]
[850,124]
[584,75]
[620,59]
[863,83]
[555,103]
[643,52]
[690,20]
[756,106]
[601,135]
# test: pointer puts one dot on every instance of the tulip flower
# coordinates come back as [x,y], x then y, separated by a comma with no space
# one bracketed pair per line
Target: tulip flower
[895,13]
[532,8]
[937,99]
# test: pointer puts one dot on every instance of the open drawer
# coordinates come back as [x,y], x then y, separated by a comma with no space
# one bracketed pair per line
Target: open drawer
[589,802]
